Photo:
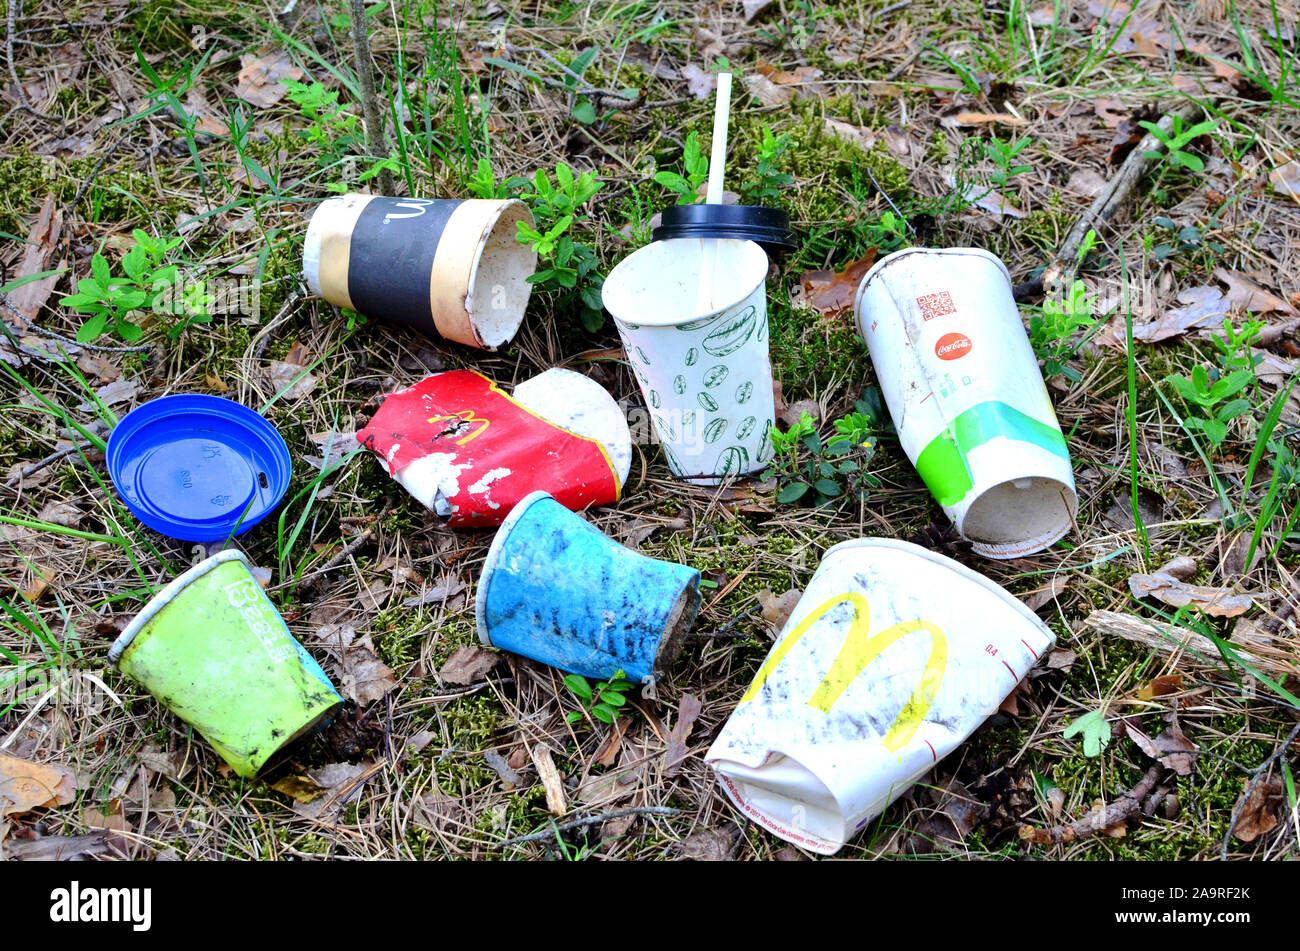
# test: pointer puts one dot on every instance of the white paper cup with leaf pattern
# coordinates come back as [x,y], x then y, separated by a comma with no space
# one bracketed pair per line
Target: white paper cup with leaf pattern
[705,371]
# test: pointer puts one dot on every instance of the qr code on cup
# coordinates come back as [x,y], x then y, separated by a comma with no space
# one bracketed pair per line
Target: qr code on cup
[935,305]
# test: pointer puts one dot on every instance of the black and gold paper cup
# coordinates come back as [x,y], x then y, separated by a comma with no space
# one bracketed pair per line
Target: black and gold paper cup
[449,268]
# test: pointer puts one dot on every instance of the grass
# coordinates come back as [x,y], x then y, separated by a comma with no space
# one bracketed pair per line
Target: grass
[239,200]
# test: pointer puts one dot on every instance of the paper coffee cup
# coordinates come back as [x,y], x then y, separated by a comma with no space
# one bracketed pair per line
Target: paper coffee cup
[470,452]
[447,267]
[892,657]
[705,374]
[557,589]
[967,398]
[212,648]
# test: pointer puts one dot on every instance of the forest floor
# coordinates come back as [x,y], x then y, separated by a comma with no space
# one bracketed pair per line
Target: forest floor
[876,125]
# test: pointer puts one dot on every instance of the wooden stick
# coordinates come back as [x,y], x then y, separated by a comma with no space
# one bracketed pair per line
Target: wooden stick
[1128,804]
[376,144]
[1169,639]
[1059,275]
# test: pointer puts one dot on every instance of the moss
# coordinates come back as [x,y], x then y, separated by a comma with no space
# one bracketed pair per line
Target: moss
[1047,226]
[474,723]
[397,636]
[820,162]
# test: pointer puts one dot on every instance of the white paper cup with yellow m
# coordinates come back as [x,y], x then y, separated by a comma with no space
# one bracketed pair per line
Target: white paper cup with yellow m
[892,657]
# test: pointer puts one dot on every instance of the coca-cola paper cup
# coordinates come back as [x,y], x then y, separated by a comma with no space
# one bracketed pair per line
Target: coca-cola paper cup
[966,395]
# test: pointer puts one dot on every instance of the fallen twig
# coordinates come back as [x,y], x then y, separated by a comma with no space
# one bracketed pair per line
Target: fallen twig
[1059,274]
[551,830]
[51,458]
[1127,805]
[1170,639]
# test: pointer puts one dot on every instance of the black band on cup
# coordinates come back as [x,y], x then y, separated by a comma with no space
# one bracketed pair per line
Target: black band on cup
[391,260]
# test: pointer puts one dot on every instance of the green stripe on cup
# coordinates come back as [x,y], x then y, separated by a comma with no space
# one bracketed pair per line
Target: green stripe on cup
[943,464]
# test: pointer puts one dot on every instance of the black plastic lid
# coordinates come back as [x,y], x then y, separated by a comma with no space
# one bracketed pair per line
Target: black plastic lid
[768,227]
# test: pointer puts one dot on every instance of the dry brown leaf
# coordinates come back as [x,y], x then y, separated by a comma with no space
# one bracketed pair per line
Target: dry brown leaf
[1061,659]
[1171,748]
[25,785]
[803,76]
[262,75]
[1286,179]
[768,92]
[850,133]
[1042,595]
[38,255]
[435,595]
[61,513]
[700,83]
[987,199]
[1086,182]
[897,140]
[981,118]
[556,802]
[1245,292]
[1262,811]
[363,677]
[707,845]
[339,782]
[289,377]
[300,788]
[1203,307]
[56,848]
[468,665]
[709,43]
[793,413]
[509,776]
[688,709]
[1010,704]
[1217,602]
[1181,567]
[209,122]
[832,292]
[1161,686]
[120,390]
[777,609]
[1111,112]
[607,753]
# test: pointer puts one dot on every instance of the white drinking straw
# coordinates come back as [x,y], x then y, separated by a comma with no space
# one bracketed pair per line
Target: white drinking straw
[713,196]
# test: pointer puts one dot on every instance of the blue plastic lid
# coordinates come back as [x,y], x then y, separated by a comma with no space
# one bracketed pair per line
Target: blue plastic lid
[193,466]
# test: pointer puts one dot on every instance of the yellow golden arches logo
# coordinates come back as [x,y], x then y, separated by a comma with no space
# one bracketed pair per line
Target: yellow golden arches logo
[860,648]
[459,419]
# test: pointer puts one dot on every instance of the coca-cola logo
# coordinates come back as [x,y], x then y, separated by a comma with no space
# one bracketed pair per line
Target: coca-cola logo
[952,346]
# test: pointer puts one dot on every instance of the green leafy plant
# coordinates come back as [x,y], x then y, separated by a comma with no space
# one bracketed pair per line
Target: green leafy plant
[1177,139]
[1052,330]
[603,699]
[566,265]
[1182,240]
[808,469]
[1004,155]
[1094,730]
[767,179]
[1214,391]
[696,165]
[336,131]
[111,302]
[330,122]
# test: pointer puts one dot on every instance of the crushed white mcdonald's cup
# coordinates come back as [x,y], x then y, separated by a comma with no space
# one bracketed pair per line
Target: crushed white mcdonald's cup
[892,658]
